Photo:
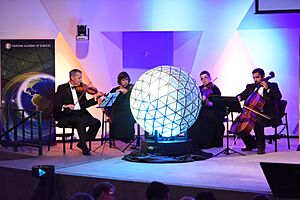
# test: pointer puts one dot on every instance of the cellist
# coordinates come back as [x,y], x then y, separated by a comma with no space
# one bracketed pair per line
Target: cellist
[271,94]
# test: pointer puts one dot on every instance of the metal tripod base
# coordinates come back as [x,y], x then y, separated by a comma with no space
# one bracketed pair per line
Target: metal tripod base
[228,151]
[137,138]
[110,146]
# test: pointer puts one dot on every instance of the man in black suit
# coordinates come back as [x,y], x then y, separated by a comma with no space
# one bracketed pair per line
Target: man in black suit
[270,92]
[70,108]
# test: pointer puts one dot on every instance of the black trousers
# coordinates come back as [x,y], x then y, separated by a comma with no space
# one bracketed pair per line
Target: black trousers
[260,123]
[81,121]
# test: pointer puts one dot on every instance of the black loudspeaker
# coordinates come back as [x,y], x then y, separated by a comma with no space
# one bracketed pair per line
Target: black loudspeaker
[283,178]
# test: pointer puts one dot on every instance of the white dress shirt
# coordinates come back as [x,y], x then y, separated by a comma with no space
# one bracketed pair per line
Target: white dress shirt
[75,98]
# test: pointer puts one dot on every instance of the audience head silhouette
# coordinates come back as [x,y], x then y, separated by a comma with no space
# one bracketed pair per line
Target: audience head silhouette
[104,191]
[81,196]
[187,198]
[205,195]
[157,191]
[261,197]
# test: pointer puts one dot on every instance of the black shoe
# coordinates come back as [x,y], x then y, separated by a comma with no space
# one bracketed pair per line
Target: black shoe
[113,144]
[261,151]
[79,145]
[249,148]
[85,150]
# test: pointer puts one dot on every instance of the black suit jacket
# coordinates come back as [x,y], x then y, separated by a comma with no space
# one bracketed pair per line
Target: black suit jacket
[64,96]
[271,100]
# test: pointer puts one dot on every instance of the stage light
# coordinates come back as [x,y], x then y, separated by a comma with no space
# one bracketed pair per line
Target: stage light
[82,32]
[165,100]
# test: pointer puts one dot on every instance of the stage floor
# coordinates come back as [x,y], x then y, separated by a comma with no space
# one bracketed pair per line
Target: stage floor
[226,172]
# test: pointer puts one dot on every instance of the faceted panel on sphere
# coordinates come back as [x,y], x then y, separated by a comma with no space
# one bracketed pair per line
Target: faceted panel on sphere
[165,99]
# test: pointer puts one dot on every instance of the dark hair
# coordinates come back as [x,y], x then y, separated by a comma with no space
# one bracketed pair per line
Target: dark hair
[123,75]
[157,190]
[259,70]
[205,72]
[81,196]
[205,195]
[101,187]
[73,72]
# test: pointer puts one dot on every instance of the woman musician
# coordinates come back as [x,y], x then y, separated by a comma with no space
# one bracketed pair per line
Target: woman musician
[122,121]
[208,129]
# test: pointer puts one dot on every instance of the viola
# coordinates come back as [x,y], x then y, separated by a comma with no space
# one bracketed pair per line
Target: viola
[82,88]
[207,89]
[254,104]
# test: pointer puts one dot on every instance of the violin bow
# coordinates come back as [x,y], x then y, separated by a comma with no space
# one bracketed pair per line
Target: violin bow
[256,112]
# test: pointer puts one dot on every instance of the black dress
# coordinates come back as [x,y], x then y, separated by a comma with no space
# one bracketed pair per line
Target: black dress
[122,126]
[208,129]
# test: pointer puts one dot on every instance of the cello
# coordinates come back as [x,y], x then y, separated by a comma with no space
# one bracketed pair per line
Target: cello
[253,106]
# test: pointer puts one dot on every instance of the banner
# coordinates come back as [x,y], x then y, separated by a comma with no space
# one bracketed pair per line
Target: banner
[27,83]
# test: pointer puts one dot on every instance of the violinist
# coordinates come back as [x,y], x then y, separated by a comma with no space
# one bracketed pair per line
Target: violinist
[70,105]
[271,94]
[122,121]
[208,129]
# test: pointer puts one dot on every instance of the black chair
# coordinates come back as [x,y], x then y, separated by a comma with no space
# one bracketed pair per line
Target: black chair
[64,135]
[284,126]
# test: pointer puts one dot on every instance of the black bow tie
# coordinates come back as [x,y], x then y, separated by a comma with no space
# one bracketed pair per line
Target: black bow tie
[73,87]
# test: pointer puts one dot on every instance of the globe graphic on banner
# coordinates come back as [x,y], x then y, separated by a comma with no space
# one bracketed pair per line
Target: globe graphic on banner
[29,92]
[165,99]
[36,93]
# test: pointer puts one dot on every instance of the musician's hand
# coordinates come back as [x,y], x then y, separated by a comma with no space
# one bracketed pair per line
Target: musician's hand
[209,104]
[264,84]
[70,106]
[99,101]
[98,95]
[108,119]
[239,97]
[123,90]
[204,98]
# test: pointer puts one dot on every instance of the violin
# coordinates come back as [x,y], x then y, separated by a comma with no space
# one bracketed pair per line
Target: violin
[82,88]
[127,88]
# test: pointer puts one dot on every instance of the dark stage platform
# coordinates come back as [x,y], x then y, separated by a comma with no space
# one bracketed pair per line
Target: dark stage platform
[227,176]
